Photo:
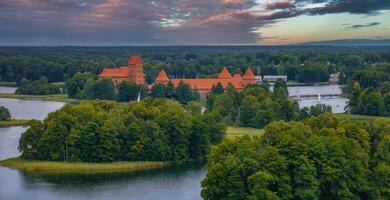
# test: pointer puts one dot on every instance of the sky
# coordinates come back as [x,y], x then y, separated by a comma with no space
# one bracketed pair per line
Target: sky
[190,22]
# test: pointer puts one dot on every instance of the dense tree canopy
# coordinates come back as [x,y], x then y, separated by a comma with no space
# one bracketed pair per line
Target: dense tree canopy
[370,101]
[254,107]
[101,131]
[38,87]
[76,84]
[4,113]
[304,64]
[320,158]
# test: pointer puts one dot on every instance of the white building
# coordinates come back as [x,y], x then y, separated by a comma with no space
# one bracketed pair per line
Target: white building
[272,79]
[259,79]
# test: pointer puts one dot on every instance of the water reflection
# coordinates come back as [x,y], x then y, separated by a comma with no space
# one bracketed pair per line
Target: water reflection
[169,183]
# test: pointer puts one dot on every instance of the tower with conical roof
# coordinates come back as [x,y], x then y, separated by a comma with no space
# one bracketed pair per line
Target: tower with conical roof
[225,74]
[249,77]
[162,77]
[136,69]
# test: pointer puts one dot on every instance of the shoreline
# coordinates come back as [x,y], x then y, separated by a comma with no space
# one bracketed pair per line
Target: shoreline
[55,97]
[80,167]
[358,118]
[13,122]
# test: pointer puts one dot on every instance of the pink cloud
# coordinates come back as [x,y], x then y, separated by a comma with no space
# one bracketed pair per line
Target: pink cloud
[280,5]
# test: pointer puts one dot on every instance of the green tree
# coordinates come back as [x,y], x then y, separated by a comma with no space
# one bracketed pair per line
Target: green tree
[260,187]
[281,86]
[319,109]
[176,126]
[263,117]
[4,113]
[322,158]
[127,91]
[354,99]
[99,89]
[29,141]
[194,107]
[217,89]
[76,84]
[184,93]
[171,90]
[372,103]
[159,91]
[248,111]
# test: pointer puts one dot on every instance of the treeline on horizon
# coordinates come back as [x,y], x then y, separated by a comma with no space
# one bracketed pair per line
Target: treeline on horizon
[302,64]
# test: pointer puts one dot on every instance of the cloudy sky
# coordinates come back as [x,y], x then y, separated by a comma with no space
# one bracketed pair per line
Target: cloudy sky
[190,22]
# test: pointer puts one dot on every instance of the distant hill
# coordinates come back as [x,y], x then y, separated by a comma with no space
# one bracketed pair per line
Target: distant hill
[350,42]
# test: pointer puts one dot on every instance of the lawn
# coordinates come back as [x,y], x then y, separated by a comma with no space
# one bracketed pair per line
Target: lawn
[233,132]
[76,167]
[13,122]
[54,97]
[356,118]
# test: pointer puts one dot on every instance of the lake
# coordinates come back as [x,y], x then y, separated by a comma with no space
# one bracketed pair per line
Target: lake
[6,89]
[30,109]
[181,183]
[168,183]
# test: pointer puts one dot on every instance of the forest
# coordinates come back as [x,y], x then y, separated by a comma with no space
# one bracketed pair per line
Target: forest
[302,64]
[317,158]
[256,106]
[102,131]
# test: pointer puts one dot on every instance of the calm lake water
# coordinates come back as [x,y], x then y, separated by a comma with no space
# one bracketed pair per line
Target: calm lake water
[176,183]
[30,109]
[5,89]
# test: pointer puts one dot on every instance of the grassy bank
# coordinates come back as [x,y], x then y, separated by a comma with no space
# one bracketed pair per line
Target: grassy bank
[356,118]
[66,167]
[54,97]
[13,122]
[8,84]
[233,132]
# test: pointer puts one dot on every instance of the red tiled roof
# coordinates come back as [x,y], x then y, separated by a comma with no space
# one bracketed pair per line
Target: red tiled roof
[162,77]
[237,77]
[249,75]
[206,84]
[224,74]
[135,59]
[122,72]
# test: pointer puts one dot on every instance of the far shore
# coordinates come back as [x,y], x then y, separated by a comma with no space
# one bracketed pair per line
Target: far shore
[13,122]
[54,97]
[79,167]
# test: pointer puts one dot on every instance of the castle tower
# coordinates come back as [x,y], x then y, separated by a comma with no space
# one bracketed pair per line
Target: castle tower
[224,74]
[249,77]
[162,77]
[136,69]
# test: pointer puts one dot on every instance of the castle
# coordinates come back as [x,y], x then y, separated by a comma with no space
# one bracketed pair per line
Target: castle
[134,72]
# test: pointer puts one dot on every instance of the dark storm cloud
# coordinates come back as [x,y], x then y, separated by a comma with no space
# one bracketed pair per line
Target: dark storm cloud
[350,6]
[357,26]
[123,22]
